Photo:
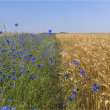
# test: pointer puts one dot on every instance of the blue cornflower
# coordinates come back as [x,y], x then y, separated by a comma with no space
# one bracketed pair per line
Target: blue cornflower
[51,59]
[98,88]
[22,71]
[8,76]
[3,44]
[8,41]
[43,55]
[71,98]
[49,31]
[95,88]
[9,100]
[13,49]
[18,52]
[20,46]
[14,78]
[16,24]
[23,52]
[77,89]
[12,107]
[89,79]
[64,103]
[14,63]
[24,56]
[22,66]
[33,77]
[46,53]
[13,71]
[67,76]
[0,32]
[34,61]
[76,63]
[39,66]
[5,50]
[30,55]
[74,92]
[4,108]
[95,85]
[28,58]
[41,58]
[60,50]
[56,43]
[81,71]
[1,71]
[34,58]
[33,108]
[19,56]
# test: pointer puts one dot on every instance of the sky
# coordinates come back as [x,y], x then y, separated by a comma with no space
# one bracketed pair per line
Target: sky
[85,16]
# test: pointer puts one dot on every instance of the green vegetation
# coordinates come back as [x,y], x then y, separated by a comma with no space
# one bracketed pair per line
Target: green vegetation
[20,59]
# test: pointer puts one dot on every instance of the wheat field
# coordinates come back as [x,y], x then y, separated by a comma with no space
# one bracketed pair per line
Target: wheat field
[92,51]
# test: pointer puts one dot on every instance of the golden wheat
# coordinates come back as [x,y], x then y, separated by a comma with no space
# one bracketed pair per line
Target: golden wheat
[92,51]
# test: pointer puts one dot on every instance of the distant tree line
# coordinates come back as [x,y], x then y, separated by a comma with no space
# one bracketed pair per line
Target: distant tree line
[63,32]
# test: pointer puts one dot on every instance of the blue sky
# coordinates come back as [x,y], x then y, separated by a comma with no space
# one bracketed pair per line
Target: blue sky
[59,16]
